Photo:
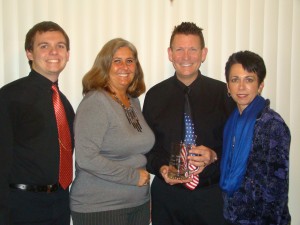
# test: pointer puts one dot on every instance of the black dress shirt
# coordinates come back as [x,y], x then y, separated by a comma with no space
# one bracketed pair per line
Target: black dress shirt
[164,109]
[29,148]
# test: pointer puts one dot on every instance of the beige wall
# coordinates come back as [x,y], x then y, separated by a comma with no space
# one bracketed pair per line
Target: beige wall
[269,27]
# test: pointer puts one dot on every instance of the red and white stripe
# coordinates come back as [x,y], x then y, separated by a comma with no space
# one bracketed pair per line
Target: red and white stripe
[193,184]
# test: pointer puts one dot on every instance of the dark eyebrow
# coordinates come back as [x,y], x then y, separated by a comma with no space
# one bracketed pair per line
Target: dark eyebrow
[42,43]
[45,43]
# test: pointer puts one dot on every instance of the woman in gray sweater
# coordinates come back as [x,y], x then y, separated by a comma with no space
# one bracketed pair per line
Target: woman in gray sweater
[111,186]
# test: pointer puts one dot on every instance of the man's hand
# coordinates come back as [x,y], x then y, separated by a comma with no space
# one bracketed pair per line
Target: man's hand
[164,172]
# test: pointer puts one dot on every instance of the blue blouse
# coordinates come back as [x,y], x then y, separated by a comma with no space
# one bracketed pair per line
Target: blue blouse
[262,198]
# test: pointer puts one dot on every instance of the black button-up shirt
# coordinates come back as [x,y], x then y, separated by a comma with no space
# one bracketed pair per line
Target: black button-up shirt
[29,148]
[164,109]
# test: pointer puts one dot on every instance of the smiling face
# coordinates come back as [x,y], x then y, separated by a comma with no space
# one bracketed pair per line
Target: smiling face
[122,70]
[187,54]
[49,54]
[243,86]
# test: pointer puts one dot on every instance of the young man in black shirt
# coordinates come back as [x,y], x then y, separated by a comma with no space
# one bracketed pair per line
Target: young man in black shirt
[30,146]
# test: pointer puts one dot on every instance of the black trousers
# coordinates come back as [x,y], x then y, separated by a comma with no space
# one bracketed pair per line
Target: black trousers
[176,205]
[39,208]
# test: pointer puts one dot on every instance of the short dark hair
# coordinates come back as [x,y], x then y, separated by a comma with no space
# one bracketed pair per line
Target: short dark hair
[250,61]
[188,28]
[41,28]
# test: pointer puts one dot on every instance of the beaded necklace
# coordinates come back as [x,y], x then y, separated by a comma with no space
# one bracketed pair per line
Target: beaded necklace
[130,113]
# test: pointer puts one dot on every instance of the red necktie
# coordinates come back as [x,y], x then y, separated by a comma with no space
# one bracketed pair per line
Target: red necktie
[64,138]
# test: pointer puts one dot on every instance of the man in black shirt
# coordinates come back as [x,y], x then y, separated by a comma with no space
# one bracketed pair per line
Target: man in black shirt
[30,192]
[172,202]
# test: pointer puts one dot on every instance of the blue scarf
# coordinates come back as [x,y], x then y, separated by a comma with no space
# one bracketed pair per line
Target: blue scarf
[237,143]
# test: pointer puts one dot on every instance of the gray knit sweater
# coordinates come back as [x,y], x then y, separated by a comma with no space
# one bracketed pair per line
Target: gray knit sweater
[108,151]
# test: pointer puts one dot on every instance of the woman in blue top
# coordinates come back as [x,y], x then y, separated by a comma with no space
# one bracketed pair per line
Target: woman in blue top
[255,160]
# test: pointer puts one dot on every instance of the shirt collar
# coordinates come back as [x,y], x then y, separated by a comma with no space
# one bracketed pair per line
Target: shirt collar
[41,80]
[192,86]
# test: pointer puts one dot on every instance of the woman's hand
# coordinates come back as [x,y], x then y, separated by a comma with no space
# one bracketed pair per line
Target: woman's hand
[144,178]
